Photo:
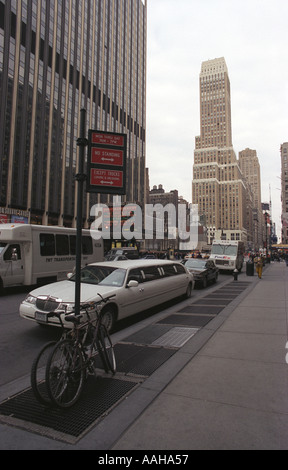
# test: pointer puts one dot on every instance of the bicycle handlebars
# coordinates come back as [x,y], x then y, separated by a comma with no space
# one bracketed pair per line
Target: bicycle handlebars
[70,317]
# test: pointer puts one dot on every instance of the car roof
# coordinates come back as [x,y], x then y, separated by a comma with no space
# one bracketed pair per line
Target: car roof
[134,263]
[128,248]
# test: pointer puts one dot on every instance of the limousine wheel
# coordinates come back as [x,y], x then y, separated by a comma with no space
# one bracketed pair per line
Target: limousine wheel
[189,291]
[108,317]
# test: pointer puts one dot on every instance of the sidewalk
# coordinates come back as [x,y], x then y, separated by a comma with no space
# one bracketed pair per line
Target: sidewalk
[234,393]
[226,388]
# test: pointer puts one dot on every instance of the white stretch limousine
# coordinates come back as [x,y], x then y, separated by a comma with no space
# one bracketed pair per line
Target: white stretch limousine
[136,284]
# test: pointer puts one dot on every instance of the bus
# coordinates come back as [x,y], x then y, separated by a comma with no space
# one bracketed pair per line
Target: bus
[228,255]
[36,254]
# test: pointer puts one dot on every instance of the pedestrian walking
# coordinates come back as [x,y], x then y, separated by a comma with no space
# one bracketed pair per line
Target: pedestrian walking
[259,265]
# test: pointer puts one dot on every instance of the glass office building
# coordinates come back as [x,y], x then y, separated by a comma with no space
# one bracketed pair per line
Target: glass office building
[57,57]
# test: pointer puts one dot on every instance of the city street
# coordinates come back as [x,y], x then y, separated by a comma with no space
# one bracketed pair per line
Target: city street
[21,339]
[223,387]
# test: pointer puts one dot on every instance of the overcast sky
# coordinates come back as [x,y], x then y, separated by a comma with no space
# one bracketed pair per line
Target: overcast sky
[252,36]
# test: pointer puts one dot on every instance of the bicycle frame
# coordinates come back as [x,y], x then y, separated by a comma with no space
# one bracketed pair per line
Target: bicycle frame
[69,358]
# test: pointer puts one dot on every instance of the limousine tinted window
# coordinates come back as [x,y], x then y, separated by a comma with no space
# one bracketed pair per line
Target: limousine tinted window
[135,275]
[169,270]
[180,269]
[151,273]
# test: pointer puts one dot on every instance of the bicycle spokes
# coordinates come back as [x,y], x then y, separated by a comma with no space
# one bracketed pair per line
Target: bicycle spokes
[65,374]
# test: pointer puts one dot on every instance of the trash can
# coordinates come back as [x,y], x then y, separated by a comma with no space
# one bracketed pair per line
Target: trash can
[250,269]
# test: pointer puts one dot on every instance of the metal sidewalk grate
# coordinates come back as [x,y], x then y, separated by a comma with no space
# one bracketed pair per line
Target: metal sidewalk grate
[176,337]
[231,291]
[206,301]
[148,334]
[221,295]
[206,309]
[233,287]
[194,321]
[140,360]
[69,425]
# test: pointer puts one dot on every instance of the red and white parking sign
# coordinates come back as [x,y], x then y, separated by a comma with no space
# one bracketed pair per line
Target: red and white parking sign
[103,138]
[106,163]
[107,178]
[112,157]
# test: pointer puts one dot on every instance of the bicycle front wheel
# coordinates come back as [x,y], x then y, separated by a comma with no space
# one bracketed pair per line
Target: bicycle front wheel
[38,374]
[65,374]
[106,347]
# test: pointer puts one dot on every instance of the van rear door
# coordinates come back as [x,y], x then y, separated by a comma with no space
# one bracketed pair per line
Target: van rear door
[13,265]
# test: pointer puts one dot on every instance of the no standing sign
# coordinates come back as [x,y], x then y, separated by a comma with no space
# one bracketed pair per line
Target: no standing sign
[106,165]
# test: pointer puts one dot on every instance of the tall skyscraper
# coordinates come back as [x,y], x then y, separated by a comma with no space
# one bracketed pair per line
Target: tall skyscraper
[218,187]
[56,57]
[250,168]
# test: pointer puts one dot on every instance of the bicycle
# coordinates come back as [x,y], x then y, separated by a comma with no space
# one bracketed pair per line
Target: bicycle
[67,363]
[38,373]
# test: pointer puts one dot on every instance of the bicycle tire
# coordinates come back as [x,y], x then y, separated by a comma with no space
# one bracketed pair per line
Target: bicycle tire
[38,374]
[106,345]
[65,374]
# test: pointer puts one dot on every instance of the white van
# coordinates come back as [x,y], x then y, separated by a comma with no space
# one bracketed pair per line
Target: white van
[36,254]
[228,254]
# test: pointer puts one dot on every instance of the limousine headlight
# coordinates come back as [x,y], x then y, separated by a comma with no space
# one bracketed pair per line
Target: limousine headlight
[67,307]
[30,299]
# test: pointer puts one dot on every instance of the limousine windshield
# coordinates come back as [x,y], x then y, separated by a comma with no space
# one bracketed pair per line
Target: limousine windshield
[102,276]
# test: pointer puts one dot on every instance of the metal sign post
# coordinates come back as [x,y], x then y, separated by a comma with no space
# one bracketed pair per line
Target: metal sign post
[82,142]
[106,168]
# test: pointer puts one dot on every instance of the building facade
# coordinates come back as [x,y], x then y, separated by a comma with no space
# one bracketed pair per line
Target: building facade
[250,167]
[218,187]
[284,191]
[158,195]
[57,57]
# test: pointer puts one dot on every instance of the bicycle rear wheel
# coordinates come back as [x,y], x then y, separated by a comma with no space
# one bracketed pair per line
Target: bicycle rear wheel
[106,347]
[65,374]
[38,374]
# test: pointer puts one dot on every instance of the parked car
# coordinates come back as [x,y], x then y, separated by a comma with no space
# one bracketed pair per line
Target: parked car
[118,258]
[137,285]
[203,270]
[129,252]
